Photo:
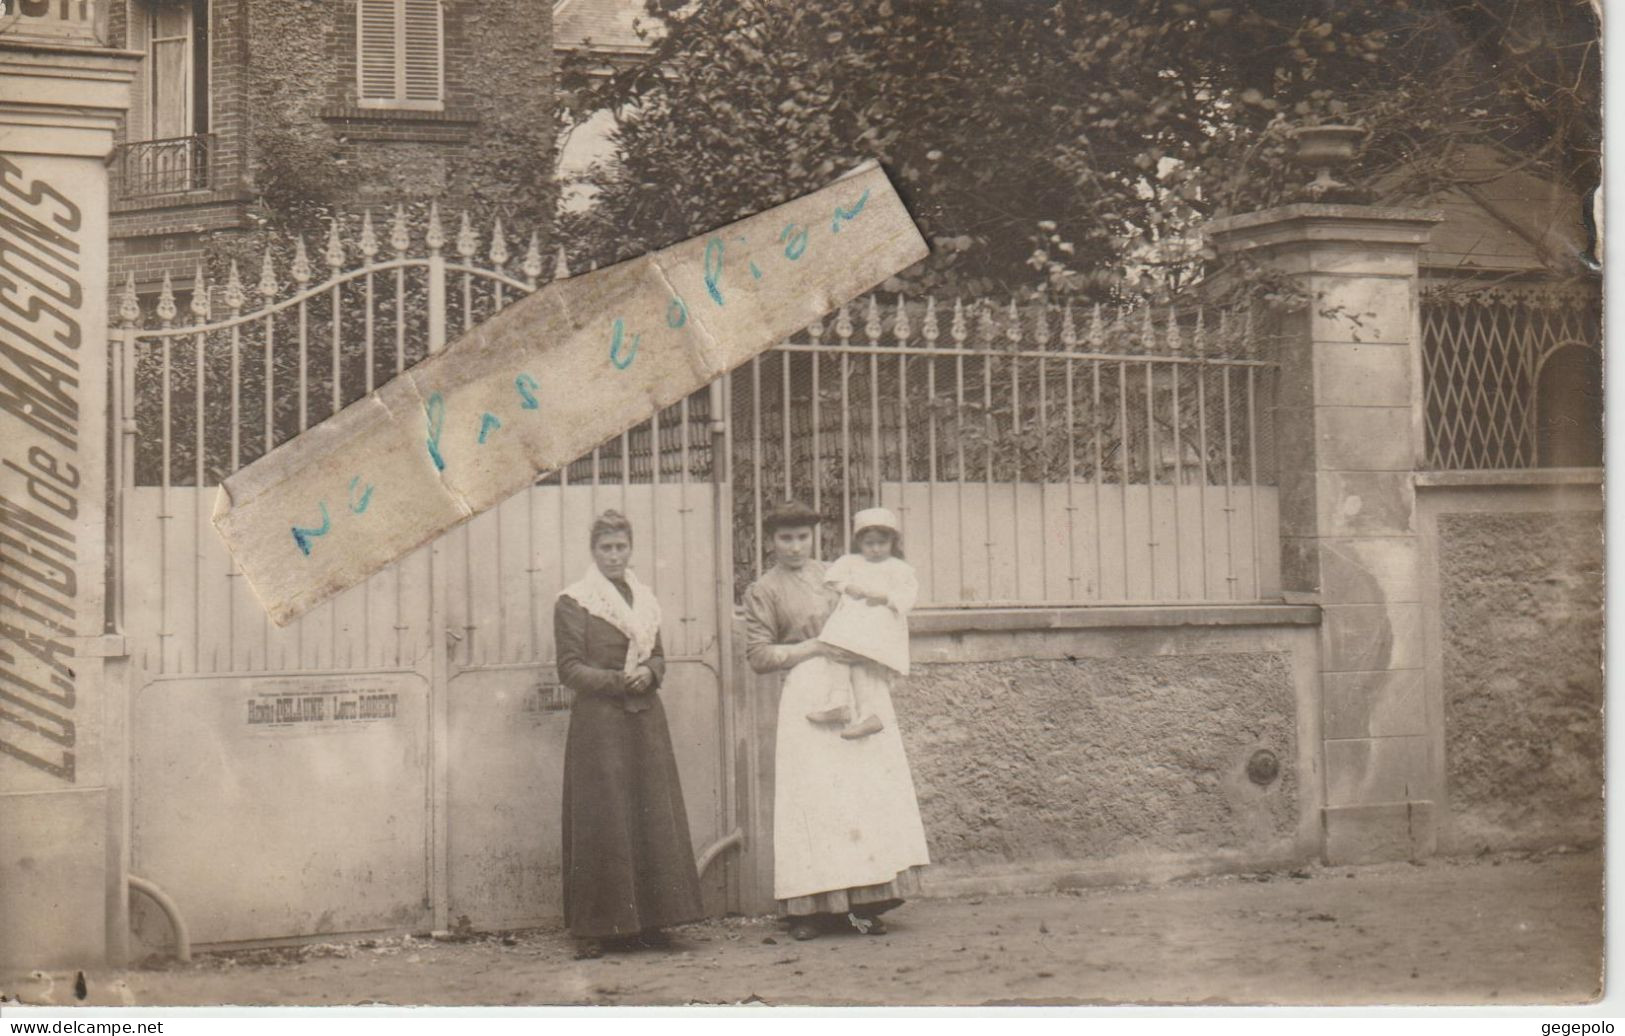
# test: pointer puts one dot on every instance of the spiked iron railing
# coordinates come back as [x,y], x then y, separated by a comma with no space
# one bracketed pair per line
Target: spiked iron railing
[1140,440]
[1126,455]
[302,348]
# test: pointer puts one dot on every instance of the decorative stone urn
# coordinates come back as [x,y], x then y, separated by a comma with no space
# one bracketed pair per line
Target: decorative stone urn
[1325,148]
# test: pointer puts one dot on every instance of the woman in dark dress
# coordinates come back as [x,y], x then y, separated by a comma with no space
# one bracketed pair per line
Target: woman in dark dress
[628,860]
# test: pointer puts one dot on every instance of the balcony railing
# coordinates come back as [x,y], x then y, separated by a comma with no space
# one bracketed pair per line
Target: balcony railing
[145,168]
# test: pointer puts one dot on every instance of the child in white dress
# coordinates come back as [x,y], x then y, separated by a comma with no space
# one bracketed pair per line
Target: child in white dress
[877,590]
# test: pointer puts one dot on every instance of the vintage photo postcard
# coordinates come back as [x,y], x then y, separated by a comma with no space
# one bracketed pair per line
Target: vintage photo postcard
[899,503]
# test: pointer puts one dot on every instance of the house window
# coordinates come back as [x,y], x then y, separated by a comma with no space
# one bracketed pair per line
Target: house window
[177,68]
[400,54]
[169,145]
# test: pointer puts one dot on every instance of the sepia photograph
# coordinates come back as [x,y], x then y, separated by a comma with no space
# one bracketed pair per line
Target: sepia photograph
[801,504]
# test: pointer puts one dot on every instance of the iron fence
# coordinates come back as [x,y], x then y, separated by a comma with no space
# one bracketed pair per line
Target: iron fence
[207,396]
[1035,453]
[1031,459]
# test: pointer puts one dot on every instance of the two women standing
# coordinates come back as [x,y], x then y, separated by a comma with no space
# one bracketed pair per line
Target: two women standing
[847,837]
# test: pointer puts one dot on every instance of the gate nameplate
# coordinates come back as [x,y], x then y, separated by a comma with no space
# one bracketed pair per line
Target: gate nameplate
[298,706]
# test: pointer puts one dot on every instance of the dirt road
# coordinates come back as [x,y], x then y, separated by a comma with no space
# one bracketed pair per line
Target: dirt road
[1496,930]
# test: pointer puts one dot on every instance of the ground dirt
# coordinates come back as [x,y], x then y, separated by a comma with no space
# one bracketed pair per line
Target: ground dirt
[1503,929]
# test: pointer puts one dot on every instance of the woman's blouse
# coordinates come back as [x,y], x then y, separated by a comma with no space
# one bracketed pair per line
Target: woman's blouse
[784,608]
[591,654]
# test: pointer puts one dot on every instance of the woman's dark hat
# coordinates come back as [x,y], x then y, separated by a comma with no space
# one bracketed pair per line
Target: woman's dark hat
[791,514]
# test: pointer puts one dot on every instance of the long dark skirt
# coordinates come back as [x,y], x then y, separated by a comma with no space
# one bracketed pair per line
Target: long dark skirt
[628,859]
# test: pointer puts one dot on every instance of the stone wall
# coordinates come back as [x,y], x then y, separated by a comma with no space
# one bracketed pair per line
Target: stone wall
[1044,759]
[1521,621]
[1055,748]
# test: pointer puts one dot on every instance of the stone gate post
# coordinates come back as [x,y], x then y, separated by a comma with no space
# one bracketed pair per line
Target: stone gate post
[61,753]
[1349,437]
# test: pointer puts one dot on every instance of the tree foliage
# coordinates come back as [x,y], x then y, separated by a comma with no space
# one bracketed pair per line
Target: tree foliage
[1046,145]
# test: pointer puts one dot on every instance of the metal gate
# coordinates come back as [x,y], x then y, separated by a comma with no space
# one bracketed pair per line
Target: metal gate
[393,759]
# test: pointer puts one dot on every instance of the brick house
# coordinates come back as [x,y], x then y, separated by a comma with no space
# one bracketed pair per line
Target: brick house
[247,111]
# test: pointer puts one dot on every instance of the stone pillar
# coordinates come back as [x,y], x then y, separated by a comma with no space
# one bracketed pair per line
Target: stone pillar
[1349,437]
[61,757]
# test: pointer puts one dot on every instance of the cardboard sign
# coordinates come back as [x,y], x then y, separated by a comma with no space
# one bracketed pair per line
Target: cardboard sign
[544,381]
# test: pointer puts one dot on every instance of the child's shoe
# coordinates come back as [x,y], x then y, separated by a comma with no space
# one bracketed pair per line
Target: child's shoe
[869,724]
[839,714]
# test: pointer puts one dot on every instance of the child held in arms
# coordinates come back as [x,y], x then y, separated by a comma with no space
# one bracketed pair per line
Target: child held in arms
[877,590]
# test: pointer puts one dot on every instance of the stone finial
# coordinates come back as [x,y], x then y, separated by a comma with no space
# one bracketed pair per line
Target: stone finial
[400,239]
[1324,148]
[532,264]
[235,296]
[434,235]
[334,253]
[499,245]
[129,304]
[1069,328]
[301,262]
[199,306]
[369,238]
[267,285]
[166,302]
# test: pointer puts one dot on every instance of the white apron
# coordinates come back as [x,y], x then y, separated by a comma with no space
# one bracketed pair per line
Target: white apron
[844,812]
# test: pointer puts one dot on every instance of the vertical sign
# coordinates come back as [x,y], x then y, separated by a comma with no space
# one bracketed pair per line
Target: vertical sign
[52,459]
[61,805]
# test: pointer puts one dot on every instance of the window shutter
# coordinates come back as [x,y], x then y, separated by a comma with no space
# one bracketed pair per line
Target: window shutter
[375,50]
[422,50]
[398,51]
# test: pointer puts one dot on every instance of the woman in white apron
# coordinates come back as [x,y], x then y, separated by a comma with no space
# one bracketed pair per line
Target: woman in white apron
[848,843]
